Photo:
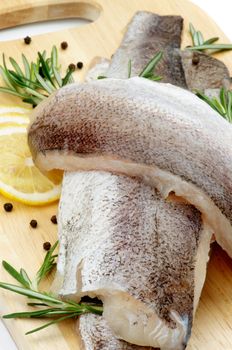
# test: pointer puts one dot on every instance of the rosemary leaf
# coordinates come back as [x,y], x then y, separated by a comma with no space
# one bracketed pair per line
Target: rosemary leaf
[6,78]
[7,72]
[31,293]
[34,101]
[35,93]
[54,57]
[198,38]
[45,68]
[222,96]
[29,314]
[211,47]
[44,84]
[26,66]
[155,78]
[37,304]
[53,322]
[16,66]
[57,76]
[151,64]
[25,276]
[65,80]
[191,30]
[222,105]
[15,274]
[229,106]
[211,41]
[33,69]
[12,92]
[47,265]
[218,106]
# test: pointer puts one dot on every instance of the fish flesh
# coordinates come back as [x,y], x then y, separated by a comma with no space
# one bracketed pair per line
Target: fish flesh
[159,132]
[99,66]
[203,72]
[143,256]
[96,334]
[87,197]
[148,34]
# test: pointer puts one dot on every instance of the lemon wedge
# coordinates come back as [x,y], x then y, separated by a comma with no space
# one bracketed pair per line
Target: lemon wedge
[15,118]
[15,114]
[20,179]
[14,109]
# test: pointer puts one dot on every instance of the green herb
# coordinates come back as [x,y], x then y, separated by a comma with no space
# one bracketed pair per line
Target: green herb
[148,71]
[101,77]
[49,305]
[129,68]
[37,80]
[223,104]
[199,43]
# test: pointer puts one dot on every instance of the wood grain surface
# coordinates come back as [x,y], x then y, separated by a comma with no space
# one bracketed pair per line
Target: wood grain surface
[22,245]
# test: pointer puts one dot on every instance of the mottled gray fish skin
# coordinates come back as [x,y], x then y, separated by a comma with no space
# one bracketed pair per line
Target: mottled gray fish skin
[97,335]
[144,122]
[85,190]
[94,331]
[203,72]
[147,34]
[132,249]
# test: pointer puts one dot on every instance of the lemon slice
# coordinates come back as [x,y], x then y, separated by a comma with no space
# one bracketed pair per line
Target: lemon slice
[14,118]
[19,177]
[14,109]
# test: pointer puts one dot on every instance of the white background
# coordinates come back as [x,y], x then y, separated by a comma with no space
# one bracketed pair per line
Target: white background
[220,11]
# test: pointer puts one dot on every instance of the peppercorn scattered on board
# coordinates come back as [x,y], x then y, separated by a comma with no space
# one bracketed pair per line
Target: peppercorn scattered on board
[22,245]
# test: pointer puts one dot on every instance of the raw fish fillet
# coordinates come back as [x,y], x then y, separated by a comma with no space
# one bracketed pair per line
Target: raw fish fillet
[143,256]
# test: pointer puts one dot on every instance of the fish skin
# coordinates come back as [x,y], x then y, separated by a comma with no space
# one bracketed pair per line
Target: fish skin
[191,139]
[208,73]
[147,34]
[98,67]
[103,335]
[115,227]
[89,340]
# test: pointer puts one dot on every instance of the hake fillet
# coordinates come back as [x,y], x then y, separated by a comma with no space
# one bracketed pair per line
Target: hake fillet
[158,132]
[95,332]
[119,239]
[147,34]
[144,257]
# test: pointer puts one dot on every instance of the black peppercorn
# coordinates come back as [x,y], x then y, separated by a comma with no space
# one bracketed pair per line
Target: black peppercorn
[64,45]
[54,219]
[72,66]
[27,40]
[33,223]
[8,207]
[47,246]
[79,65]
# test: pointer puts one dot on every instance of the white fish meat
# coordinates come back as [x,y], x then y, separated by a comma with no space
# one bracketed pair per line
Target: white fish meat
[95,210]
[144,257]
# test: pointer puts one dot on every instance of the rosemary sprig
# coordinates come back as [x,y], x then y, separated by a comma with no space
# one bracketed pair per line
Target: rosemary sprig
[199,43]
[148,71]
[49,305]
[223,104]
[38,79]
[48,264]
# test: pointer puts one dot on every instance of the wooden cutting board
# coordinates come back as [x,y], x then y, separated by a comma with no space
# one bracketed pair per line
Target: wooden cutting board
[20,244]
